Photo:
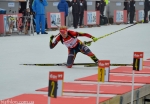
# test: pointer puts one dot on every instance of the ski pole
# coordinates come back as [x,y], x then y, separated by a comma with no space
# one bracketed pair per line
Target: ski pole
[89,42]
[53,22]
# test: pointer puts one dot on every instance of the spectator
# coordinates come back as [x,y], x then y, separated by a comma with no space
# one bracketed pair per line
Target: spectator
[75,12]
[132,10]
[70,19]
[83,7]
[30,6]
[97,7]
[38,7]
[102,7]
[63,7]
[106,1]
[19,9]
[106,7]
[126,7]
[149,11]
[146,9]
[149,5]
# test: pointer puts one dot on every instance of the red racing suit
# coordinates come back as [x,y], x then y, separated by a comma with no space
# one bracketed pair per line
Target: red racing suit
[74,46]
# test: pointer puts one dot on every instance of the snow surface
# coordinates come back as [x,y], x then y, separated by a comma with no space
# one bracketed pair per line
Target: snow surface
[17,79]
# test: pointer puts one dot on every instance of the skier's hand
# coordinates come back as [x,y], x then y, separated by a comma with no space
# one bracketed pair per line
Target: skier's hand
[87,43]
[94,39]
[51,38]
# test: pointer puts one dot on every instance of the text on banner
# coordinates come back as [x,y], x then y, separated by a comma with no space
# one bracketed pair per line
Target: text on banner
[141,15]
[103,70]
[101,74]
[91,17]
[138,61]
[55,84]
[119,16]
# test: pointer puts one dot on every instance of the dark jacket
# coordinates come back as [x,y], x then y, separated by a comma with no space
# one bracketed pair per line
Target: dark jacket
[30,5]
[69,3]
[63,7]
[132,5]
[97,7]
[149,5]
[102,7]
[83,5]
[146,5]
[38,6]
[126,6]
[75,7]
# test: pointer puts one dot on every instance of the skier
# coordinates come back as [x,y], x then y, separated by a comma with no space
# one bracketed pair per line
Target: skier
[74,45]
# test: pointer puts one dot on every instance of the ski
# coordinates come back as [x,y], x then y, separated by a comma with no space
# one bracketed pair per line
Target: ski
[95,65]
[57,64]
[82,64]
[44,64]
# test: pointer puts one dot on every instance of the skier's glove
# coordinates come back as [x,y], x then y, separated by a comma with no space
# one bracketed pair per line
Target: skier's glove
[51,38]
[87,43]
[94,39]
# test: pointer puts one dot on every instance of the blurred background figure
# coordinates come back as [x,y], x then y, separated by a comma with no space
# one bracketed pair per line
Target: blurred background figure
[102,7]
[149,10]
[97,7]
[83,7]
[103,18]
[146,9]
[127,7]
[75,12]
[63,7]
[19,8]
[132,10]
[69,17]
[38,7]
[28,5]
[106,8]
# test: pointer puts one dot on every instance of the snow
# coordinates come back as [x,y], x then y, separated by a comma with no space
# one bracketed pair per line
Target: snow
[17,79]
